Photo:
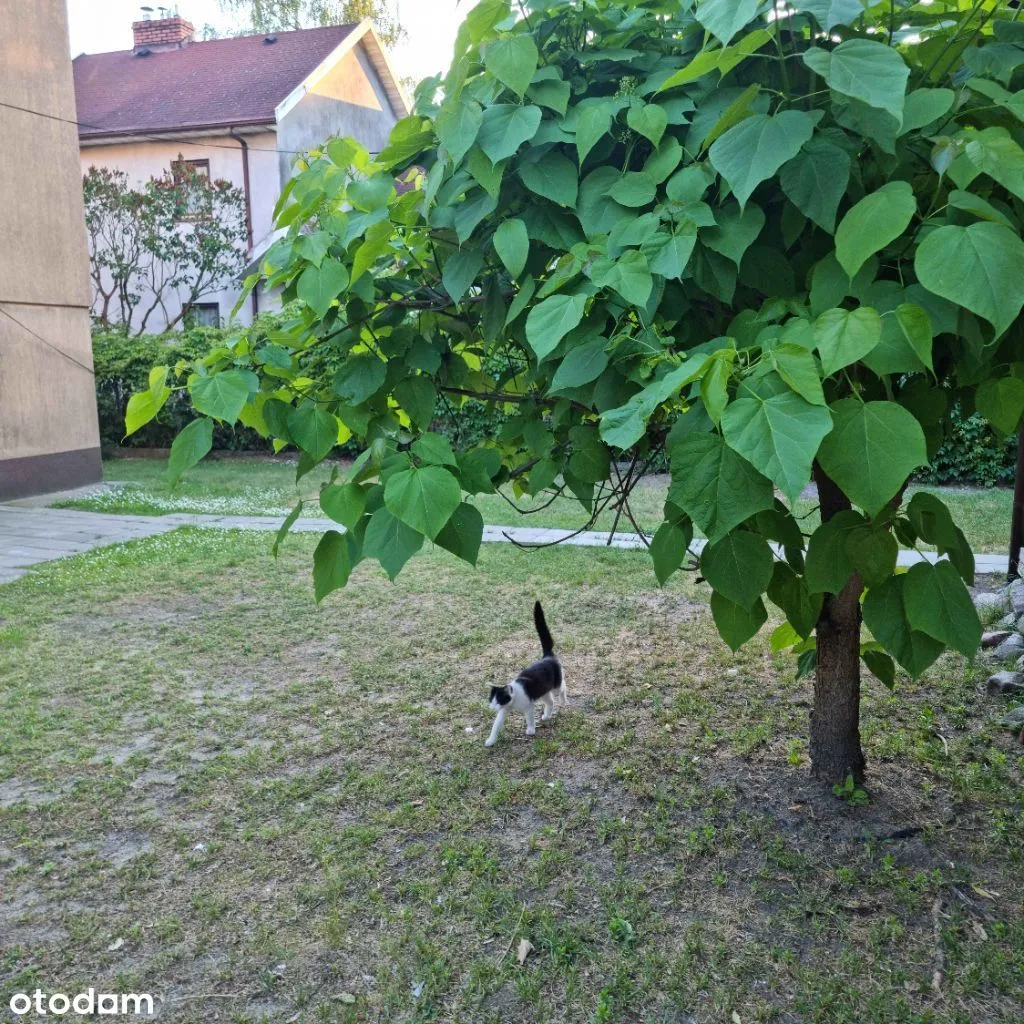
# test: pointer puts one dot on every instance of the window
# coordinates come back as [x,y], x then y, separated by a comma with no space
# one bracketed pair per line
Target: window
[184,171]
[203,314]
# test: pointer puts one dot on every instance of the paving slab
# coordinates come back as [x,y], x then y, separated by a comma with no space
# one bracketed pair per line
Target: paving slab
[31,535]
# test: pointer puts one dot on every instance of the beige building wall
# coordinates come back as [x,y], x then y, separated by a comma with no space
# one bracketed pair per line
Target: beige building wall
[142,160]
[49,434]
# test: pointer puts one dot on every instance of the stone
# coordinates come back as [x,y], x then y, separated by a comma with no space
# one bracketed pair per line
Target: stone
[1016,589]
[992,605]
[1006,683]
[1009,620]
[1015,719]
[995,638]
[1010,649]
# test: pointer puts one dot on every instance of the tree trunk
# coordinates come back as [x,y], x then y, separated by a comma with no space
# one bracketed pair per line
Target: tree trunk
[835,720]
[1017,525]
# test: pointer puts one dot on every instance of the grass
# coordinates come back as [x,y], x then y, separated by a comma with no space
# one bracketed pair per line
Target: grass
[266,487]
[261,810]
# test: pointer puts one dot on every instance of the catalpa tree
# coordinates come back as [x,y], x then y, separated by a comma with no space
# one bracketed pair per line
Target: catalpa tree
[779,244]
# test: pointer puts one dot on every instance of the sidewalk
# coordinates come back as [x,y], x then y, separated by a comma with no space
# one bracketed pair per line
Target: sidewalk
[32,535]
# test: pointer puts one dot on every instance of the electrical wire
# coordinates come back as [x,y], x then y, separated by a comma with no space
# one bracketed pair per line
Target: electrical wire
[49,344]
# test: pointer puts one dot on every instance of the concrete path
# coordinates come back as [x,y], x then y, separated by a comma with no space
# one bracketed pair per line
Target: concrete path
[31,535]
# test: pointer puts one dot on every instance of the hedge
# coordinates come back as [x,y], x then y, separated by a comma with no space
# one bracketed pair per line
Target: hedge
[972,455]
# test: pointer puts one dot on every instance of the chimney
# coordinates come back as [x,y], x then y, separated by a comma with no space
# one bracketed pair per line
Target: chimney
[164,33]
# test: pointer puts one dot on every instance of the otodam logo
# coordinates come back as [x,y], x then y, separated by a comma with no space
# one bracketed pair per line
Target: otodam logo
[89,1002]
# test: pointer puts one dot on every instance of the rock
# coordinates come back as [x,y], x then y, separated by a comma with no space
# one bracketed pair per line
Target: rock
[995,638]
[1016,589]
[1015,719]
[1010,649]
[1009,620]
[992,605]
[1006,682]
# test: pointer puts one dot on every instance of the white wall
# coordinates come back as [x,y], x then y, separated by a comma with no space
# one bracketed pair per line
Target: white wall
[144,160]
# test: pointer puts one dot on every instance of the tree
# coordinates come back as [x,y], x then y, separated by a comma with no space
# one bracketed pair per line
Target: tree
[163,247]
[282,15]
[779,249]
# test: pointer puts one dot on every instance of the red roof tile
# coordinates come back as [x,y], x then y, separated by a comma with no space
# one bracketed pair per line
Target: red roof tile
[220,82]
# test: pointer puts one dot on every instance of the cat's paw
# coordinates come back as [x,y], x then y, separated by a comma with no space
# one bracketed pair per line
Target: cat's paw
[531,732]
[490,741]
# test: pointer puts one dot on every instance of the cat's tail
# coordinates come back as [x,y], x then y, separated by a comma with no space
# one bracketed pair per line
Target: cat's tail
[547,645]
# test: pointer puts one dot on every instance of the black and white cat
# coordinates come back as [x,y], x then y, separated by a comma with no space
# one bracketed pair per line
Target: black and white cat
[543,681]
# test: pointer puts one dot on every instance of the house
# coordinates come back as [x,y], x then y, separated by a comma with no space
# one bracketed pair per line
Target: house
[49,435]
[238,109]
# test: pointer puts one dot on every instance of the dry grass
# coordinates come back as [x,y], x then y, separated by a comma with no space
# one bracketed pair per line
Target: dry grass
[281,812]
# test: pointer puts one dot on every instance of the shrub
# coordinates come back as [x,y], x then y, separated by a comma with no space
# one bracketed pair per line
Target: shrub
[974,454]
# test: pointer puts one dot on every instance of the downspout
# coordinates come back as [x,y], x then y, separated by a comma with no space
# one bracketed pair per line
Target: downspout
[248,208]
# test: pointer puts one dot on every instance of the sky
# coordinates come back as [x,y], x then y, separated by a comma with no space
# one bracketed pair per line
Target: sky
[100,25]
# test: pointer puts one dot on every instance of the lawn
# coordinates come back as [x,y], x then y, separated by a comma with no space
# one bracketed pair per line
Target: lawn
[265,487]
[261,810]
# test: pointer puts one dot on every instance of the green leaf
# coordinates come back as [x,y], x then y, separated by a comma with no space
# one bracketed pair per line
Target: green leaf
[829,13]
[463,533]
[736,231]
[923,106]
[844,336]
[554,177]
[736,625]
[417,396]
[460,272]
[873,223]
[797,367]
[590,461]
[977,207]
[715,486]
[738,567]
[551,320]
[390,541]
[648,120]
[144,405]
[581,365]
[513,61]
[477,468]
[733,114]
[865,70]
[1001,402]
[668,254]
[756,148]
[285,528]
[344,503]
[592,125]
[552,94]
[886,617]
[222,395]
[714,387]
[723,60]
[629,275]
[319,286]
[872,552]
[780,435]
[486,174]
[457,125]
[872,450]
[634,188]
[724,18]
[512,244]
[332,563]
[506,126]
[191,444]
[977,267]
[815,181]
[360,378]
[423,498]
[828,565]
[938,604]
[881,666]
[931,521]
[369,194]
[995,153]
[434,449]
[789,591]
[669,547]
[314,430]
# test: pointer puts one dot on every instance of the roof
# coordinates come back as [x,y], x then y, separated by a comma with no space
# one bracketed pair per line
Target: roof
[217,83]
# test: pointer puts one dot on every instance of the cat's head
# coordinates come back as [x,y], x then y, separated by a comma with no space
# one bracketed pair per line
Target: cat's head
[500,696]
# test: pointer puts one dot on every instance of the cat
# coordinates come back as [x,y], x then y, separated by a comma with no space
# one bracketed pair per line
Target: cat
[543,680]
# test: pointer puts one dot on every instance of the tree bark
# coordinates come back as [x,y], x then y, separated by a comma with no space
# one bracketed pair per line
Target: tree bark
[835,719]
[1017,525]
